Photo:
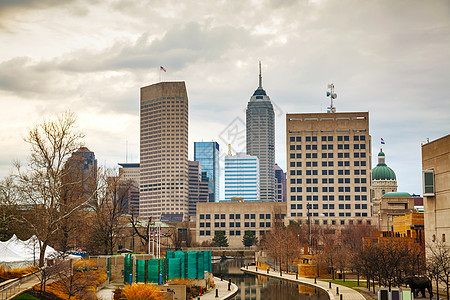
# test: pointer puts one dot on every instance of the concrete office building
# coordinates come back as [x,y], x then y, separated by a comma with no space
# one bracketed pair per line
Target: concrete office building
[235,218]
[260,125]
[129,171]
[242,177]
[328,175]
[164,151]
[207,153]
[198,187]
[436,190]
[280,184]
[129,175]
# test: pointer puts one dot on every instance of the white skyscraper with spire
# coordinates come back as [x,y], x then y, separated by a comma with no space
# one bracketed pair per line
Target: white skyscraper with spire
[260,123]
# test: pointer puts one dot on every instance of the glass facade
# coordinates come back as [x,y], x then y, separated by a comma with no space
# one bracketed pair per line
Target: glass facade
[207,153]
[242,177]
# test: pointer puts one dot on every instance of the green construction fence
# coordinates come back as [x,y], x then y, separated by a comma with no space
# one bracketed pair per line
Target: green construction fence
[177,264]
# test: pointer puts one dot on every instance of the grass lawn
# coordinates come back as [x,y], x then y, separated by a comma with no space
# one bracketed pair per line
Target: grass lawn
[348,283]
[25,296]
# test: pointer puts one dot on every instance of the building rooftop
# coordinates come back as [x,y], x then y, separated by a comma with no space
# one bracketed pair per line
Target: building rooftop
[397,194]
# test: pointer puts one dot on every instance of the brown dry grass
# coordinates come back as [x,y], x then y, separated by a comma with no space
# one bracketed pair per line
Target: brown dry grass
[16,273]
[141,291]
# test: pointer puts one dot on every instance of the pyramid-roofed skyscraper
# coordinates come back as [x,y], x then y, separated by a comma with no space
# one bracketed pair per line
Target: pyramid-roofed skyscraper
[260,123]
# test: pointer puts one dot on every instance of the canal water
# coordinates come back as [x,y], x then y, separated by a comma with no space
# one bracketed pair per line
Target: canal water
[262,287]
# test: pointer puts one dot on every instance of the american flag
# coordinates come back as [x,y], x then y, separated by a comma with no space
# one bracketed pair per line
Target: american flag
[382,141]
[162,68]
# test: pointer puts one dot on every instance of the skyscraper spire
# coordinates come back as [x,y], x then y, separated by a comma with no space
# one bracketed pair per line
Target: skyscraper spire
[260,76]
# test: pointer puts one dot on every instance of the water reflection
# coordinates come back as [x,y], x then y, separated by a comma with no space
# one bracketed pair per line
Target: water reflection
[261,287]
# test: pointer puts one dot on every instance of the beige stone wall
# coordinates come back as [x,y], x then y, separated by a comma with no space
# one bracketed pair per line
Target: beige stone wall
[391,207]
[379,188]
[436,156]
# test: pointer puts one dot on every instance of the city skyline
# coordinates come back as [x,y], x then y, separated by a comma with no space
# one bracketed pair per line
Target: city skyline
[387,58]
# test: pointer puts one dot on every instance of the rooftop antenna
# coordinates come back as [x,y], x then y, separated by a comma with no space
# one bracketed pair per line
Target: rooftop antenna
[332,95]
[260,75]
[126,152]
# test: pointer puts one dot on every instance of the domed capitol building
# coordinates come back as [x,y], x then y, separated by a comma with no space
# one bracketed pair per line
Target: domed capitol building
[383,181]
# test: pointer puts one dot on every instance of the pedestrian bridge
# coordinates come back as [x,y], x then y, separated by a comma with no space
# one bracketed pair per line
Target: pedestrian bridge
[226,251]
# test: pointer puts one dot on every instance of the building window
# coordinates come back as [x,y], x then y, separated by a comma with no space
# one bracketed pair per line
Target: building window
[428,183]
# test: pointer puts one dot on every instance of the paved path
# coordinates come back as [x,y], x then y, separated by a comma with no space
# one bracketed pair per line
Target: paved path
[223,291]
[10,291]
[106,293]
[346,292]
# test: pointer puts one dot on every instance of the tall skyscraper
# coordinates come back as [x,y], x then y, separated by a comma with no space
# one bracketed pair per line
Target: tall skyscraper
[328,159]
[207,153]
[242,177]
[261,138]
[280,184]
[198,187]
[164,150]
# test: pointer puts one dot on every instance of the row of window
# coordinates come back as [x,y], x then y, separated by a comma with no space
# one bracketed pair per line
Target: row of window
[234,216]
[346,163]
[231,232]
[327,180]
[328,138]
[328,172]
[328,147]
[235,224]
[333,222]
[328,198]
[331,214]
[329,155]
[329,189]
[329,206]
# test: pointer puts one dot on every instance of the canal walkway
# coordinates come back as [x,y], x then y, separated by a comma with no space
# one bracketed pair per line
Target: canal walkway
[107,292]
[336,292]
[222,291]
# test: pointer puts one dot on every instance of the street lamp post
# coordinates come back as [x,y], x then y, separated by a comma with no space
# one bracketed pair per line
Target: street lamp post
[308,206]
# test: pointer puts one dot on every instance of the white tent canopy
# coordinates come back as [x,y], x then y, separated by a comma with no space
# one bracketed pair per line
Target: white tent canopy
[17,253]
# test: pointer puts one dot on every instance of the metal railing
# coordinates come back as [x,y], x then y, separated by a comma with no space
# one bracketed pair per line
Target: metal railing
[12,288]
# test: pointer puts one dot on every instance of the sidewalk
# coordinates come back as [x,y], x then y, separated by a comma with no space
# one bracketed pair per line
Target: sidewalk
[223,291]
[18,287]
[106,293]
[344,292]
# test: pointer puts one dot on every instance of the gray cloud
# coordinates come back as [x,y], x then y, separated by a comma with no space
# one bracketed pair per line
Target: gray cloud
[389,58]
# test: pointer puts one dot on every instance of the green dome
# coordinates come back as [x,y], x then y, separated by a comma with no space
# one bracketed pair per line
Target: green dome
[382,171]
[397,194]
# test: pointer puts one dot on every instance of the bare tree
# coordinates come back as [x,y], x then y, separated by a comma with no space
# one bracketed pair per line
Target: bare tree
[40,185]
[108,220]
[75,282]
[49,273]
[8,208]
[144,235]
[438,264]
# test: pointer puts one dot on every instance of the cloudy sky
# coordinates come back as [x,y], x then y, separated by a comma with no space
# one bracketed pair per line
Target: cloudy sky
[390,58]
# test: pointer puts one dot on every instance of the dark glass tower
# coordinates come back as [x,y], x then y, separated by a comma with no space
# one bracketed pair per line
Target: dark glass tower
[261,138]
[207,153]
